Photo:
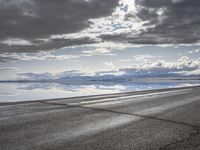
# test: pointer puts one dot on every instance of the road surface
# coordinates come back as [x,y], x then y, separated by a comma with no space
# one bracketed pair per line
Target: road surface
[147,120]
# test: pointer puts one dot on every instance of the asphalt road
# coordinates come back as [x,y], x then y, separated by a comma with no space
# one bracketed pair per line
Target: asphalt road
[149,120]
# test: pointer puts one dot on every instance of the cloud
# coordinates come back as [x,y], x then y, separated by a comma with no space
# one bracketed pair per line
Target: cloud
[37,18]
[48,75]
[110,73]
[164,22]
[193,72]
[197,50]
[15,42]
[183,67]
[6,57]
[30,26]
[98,51]
[144,58]
[22,46]
[36,76]
[159,68]
[109,64]
[8,69]
[194,51]
[19,52]
[102,49]
[178,22]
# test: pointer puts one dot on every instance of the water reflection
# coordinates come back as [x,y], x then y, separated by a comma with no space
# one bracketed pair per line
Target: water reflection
[10,92]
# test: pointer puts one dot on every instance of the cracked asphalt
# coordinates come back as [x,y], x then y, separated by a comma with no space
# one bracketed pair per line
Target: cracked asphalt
[166,119]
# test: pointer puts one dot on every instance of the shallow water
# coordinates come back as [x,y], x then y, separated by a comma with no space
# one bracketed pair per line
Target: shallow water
[12,92]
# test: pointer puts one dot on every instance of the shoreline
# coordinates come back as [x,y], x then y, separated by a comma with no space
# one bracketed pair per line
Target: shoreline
[98,95]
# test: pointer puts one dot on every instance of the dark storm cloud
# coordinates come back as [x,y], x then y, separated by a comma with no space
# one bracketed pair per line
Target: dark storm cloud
[173,21]
[39,45]
[29,19]
[179,22]
[33,20]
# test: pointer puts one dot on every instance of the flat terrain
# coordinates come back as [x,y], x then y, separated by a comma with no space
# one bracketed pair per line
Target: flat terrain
[147,120]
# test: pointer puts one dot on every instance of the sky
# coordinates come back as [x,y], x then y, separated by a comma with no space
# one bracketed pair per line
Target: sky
[54,39]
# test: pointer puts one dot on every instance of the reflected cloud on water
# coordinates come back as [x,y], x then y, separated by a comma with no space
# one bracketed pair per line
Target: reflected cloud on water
[10,92]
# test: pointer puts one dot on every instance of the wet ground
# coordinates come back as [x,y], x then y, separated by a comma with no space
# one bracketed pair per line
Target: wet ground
[145,120]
